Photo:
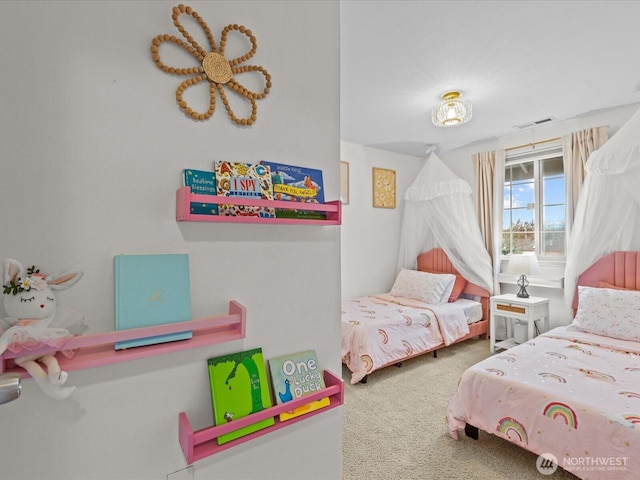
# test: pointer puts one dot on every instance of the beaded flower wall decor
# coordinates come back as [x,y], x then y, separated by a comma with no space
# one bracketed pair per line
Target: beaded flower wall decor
[214,68]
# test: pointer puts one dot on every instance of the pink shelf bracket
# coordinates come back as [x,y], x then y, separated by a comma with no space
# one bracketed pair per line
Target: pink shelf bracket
[99,349]
[184,198]
[203,443]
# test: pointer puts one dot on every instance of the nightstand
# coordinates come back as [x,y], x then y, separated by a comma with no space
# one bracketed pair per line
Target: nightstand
[513,308]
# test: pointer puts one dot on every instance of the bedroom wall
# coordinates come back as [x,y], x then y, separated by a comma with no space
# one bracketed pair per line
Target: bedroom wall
[459,161]
[93,146]
[371,236]
[371,266]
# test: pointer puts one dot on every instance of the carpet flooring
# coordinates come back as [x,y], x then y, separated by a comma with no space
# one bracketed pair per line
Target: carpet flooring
[395,428]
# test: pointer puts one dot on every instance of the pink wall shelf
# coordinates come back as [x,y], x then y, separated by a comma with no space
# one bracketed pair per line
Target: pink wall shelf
[99,349]
[203,443]
[184,197]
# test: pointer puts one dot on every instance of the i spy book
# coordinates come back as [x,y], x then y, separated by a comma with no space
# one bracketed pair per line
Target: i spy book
[296,375]
[239,387]
[245,180]
[151,290]
[296,184]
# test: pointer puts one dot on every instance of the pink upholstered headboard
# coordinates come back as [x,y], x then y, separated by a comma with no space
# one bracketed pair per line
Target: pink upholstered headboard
[621,269]
[436,260]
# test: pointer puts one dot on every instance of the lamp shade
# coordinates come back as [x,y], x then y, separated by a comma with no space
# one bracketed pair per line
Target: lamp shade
[523,264]
[452,110]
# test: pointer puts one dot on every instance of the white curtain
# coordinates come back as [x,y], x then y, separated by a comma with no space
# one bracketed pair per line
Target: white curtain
[439,212]
[607,216]
[577,147]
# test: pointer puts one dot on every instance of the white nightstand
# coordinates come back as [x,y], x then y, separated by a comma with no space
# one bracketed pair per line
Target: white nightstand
[513,308]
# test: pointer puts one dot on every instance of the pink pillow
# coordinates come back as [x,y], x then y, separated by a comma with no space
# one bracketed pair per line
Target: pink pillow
[458,287]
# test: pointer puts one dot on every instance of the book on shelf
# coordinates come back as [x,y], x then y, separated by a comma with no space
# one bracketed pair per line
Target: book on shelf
[239,387]
[204,183]
[294,376]
[247,180]
[151,290]
[296,184]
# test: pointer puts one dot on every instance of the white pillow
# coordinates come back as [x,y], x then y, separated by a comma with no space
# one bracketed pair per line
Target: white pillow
[608,312]
[427,287]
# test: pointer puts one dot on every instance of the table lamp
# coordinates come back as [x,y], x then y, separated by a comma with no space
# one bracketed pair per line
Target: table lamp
[523,264]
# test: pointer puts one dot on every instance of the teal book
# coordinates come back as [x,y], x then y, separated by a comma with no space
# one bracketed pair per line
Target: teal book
[296,375]
[203,183]
[151,290]
[239,387]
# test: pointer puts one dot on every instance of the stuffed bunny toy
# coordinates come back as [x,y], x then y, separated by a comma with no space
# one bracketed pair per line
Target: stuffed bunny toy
[34,321]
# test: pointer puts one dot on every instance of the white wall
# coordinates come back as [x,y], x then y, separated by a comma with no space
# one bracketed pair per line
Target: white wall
[92,148]
[371,236]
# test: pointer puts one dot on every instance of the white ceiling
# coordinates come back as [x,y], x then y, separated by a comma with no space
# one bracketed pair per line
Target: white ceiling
[517,61]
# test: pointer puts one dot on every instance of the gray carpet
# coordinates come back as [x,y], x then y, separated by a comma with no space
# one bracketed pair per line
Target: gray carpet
[395,429]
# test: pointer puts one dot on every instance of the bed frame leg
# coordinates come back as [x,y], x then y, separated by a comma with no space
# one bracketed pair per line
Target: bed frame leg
[364,379]
[471,431]
[435,354]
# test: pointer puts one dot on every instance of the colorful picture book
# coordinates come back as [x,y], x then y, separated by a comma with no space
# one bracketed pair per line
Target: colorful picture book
[239,387]
[296,184]
[234,179]
[201,182]
[294,376]
[151,290]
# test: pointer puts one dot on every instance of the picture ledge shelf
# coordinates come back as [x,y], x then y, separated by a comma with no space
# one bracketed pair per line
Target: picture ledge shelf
[184,198]
[99,349]
[203,443]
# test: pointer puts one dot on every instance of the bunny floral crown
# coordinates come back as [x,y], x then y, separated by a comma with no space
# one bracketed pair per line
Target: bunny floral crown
[34,279]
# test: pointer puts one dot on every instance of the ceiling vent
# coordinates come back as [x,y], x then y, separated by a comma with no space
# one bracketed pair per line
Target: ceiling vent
[534,123]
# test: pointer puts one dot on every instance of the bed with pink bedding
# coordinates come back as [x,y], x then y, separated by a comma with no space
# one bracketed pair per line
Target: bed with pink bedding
[385,329]
[571,394]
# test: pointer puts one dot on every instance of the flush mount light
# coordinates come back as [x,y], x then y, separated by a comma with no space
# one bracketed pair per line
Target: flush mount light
[452,110]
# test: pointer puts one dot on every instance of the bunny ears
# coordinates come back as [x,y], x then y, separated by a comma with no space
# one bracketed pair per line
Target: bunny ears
[15,281]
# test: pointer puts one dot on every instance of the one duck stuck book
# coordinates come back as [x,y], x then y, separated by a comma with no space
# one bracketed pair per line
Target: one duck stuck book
[296,375]
[239,387]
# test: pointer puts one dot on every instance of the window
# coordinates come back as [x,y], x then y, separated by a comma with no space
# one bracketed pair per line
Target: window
[534,205]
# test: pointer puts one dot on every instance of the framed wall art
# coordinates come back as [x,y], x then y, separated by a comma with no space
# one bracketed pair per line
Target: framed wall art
[384,188]
[344,183]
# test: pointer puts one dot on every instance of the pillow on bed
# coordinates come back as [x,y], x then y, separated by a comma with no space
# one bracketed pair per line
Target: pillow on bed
[458,286]
[608,312]
[427,287]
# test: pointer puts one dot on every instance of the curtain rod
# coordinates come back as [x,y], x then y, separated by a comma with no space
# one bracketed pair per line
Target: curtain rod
[533,144]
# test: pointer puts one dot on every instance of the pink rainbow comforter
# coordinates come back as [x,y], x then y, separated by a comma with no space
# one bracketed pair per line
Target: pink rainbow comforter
[567,393]
[383,329]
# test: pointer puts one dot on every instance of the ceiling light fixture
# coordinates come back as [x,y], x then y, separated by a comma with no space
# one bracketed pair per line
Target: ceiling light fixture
[452,110]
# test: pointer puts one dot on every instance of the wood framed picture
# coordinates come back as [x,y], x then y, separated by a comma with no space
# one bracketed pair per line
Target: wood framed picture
[344,183]
[384,188]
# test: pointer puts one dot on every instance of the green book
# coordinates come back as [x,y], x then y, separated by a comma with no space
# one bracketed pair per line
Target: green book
[239,387]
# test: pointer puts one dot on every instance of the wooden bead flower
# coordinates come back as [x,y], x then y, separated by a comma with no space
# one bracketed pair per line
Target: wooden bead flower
[214,68]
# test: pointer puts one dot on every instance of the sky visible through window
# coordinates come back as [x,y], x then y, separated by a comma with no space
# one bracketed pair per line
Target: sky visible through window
[523,217]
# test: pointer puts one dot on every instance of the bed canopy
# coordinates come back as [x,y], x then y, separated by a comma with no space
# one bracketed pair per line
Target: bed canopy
[607,215]
[439,212]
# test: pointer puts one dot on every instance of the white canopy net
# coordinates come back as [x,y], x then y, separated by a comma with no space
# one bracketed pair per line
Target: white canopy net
[607,217]
[439,212]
